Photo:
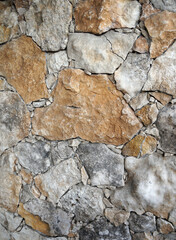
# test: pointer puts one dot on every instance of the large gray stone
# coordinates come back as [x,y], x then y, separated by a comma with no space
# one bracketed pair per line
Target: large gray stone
[26,233]
[169,5]
[61,150]
[166,124]
[48,23]
[84,201]
[92,53]
[102,165]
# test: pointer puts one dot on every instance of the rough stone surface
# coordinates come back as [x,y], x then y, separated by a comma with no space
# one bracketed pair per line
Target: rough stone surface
[148,114]
[92,53]
[22,6]
[85,202]
[4,235]
[48,22]
[139,101]
[89,107]
[116,216]
[152,179]
[132,74]
[161,97]
[166,126]
[141,45]
[106,15]
[60,151]
[169,5]
[162,73]
[10,184]
[102,229]
[54,183]
[14,120]
[34,157]
[162,29]
[172,217]
[147,11]
[143,236]
[164,226]
[102,165]
[27,233]
[142,223]
[23,65]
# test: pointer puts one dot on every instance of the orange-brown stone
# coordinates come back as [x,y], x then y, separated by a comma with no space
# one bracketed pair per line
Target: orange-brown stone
[24,66]
[27,177]
[147,11]
[141,45]
[148,145]
[162,29]
[86,106]
[98,16]
[133,148]
[163,98]
[147,114]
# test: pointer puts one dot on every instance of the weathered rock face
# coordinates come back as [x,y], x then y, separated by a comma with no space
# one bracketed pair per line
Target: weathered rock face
[34,157]
[102,165]
[60,151]
[54,183]
[164,226]
[4,233]
[48,22]
[162,29]
[10,184]
[141,45]
[152,180]
[162,73]
[85,202]
[56,61]
[22,6]
[106,15]
[26,233]
[116,216]
[89,107]
[169,5]
[132,74]
[148,10]
[14,120]
[166,125]
[23,65]
[148,114]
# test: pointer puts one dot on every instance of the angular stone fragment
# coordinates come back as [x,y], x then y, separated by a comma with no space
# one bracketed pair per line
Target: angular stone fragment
[142,223]
[10,184]
[48,23]
[162,29]
[132,74]
[161,97]
[141,45]
[85,202]
[166,125]
[54,183]
[139,101]
[147,11]
[150,187]
[148,114]
[99,16]
[27,177]
[102,229]
[172,217]
[34,157]
[116,216]
[23,64]
[89,107]
[162,73]
[102,165]
[164,226]
[22,6]
[14,120]
[148,146]
[92,53]
[169,5]
[61,150]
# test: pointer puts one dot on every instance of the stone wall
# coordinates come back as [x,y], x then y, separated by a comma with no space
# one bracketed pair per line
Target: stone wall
[87,120]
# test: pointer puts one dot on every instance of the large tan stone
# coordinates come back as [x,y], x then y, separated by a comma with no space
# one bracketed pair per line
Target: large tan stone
[147,11]
[24,66]
[86,106]
[162,29]
[98,16]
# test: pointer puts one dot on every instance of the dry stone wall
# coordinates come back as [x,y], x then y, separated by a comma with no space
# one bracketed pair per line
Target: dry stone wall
[87,120]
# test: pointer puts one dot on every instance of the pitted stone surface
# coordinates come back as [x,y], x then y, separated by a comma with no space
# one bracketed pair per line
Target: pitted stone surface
[169,5]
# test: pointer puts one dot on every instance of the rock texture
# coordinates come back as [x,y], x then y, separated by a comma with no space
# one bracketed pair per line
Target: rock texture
[88,107]
[162,29]
[48,22]
[148,114]
[14,120]
[23,65]
[141,45]
[22,6]
[169,5]
[56,61]
[100,16]
[116,216]
[162,73]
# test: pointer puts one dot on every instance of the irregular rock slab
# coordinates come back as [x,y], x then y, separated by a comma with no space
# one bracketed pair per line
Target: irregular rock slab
[27,233]
[100,16]
[10,184]
[143,236]
[161,97]
[141,45]
[170,236]
[14,120]
[92,53]
[116,216]
[21,6]
[61,150]
[58,180]
[102,229]
[139,101]
[23,64]
[148,114]
[167,128]
[102,165]
[172,217]
[169,5]
[4,234]
[142,223]
[89,107]
[152,179]
[132,74]
[147,11]
[48,23]
[162,29]
[84,201]
[57,220]
[164,226]
[34,157]
[162,73]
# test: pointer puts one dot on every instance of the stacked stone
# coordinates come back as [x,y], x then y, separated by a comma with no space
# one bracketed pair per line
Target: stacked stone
[87,120]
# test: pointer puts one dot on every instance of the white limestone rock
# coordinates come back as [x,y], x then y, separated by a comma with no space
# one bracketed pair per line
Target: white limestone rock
[47,22]
[56,61]
[162,75]
[169,5]
[92,53]
[132,74]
